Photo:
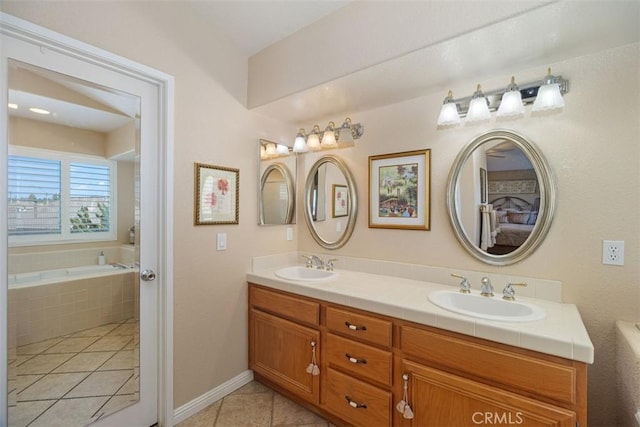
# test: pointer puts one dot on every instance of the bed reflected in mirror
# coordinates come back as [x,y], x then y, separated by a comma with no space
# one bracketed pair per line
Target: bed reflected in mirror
[500,197]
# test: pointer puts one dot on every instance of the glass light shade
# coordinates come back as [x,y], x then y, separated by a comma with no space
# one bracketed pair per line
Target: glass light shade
[263,152]
[313,142]
[449,115]
[478,110]
[549,98]
[345,135]
[271,149]
[299,146]
[511,105]
[282,150]
[329,138]
[478,107]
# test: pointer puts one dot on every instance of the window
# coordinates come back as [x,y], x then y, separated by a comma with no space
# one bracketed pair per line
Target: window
[60,197]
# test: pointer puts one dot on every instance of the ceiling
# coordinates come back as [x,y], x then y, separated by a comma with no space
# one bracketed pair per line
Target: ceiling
[555,32]
[254,25]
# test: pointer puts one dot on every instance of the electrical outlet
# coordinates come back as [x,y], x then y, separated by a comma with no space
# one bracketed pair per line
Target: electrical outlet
[613,252]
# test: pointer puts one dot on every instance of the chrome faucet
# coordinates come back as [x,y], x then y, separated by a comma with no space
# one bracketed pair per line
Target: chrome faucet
[509,293]
[318,261]
[486,290]
[329,266]
[465,286]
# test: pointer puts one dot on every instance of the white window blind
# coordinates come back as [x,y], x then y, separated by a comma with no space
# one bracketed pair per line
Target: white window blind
[34,196]
[60,197]
[89,198]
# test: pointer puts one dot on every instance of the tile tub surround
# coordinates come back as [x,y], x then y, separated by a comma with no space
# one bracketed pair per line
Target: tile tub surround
[628,373]
[561,333]
[37,313]
[51,260]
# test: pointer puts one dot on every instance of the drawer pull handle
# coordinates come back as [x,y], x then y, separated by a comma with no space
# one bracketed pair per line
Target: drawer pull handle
[355,359]
[355,404]
[355,327]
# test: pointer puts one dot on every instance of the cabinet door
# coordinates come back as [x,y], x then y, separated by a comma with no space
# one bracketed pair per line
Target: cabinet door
[281,351]
[442,399]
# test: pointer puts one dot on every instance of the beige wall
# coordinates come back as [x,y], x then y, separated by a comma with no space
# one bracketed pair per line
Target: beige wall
[593,151]
[592,148]
[48,136]
[211,126]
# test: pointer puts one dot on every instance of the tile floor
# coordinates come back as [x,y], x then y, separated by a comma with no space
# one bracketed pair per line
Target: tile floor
[255,405]
[75,379]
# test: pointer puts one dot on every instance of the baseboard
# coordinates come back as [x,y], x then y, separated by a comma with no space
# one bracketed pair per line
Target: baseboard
[199,403]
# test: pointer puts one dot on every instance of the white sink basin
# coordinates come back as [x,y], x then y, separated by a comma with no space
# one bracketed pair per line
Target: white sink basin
[299,272]
[490,308]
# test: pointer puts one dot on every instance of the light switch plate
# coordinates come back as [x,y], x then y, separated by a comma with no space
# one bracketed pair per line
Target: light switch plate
[221,241]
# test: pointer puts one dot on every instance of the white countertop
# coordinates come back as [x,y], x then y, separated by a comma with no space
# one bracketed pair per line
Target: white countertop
[561,333]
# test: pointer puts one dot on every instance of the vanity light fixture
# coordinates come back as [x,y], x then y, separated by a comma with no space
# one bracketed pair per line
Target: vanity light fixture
[511,104]
[549,94]
[545,95]
[299,144]
[478,107]
[331,137]
[271,150]
[449,115]
[313,140]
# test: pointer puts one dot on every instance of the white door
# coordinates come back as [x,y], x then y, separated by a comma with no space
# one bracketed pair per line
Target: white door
[141,408]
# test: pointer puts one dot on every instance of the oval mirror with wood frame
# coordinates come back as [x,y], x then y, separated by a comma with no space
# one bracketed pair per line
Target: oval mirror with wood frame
[330,202]
[500,197]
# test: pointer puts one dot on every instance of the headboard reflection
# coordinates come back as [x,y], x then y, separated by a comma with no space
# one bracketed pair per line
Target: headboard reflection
[515,203]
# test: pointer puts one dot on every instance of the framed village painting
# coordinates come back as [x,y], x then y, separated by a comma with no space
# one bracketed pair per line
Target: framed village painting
[216,195]
[399,190]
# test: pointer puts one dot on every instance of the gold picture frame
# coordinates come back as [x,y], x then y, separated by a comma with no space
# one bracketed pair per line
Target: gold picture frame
[399,190]
[216,195]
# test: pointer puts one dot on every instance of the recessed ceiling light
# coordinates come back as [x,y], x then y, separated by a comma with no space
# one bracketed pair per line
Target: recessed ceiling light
[39,110]
[12,106]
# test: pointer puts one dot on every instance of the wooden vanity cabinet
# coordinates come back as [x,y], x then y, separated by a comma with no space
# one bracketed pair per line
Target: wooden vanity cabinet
[280,348]
[439,398]
[453,379]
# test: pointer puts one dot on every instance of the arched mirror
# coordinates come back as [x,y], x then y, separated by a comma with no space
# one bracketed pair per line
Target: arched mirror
[500,197]
[330,202]
[277,184]
[277,198]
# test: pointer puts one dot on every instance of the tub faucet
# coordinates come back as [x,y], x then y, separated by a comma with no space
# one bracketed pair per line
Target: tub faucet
[486,290]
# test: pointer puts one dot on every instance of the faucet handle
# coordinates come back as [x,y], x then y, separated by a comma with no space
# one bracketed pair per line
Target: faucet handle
[465,286]
[509,293]
[329,264]
[309,262]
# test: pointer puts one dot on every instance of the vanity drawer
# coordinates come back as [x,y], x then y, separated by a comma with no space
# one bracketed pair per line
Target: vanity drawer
[357,402]
[297,309]
[360,359]
[527,373]
[360,326]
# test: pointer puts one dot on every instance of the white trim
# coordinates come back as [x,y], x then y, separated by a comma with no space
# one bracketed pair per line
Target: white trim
[23,30]
[199,403]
